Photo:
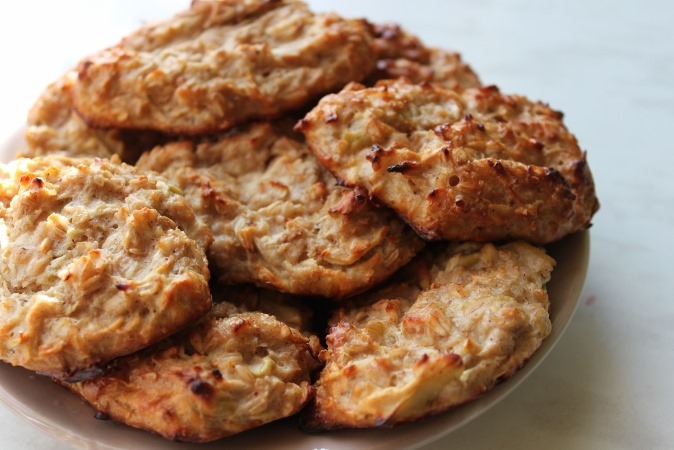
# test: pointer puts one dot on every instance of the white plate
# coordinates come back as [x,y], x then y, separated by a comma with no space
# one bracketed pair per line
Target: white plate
[65,417]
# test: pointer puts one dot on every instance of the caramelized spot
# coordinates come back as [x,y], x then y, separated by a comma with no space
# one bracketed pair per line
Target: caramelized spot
[497,166]
[123,286]
[443,131]
[374,156]
[402,167]
[351,201]
[201,388]
[29,181]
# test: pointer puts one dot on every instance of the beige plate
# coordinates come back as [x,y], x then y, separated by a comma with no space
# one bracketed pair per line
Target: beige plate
[62,415]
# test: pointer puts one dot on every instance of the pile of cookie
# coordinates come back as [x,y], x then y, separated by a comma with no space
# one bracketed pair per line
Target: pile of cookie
[251,211]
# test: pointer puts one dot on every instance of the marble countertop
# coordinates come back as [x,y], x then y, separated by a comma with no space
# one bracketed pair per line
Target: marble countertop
[609,66]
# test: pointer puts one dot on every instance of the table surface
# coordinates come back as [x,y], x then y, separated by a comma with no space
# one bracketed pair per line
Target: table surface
[609,66]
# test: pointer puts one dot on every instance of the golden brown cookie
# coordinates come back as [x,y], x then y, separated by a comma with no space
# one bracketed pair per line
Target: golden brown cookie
[279,219]
[54,127]
[477,165]
[295,311]
[219,64]
[99,260]
[446,329]
[231,372]
[401,54]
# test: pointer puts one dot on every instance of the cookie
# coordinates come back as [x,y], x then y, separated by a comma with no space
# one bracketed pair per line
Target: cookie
[476,165]
[99,260]
[54,127]
[279,219]
[400,54]
[233,371]
[295,311]
[219,64]
[447,328]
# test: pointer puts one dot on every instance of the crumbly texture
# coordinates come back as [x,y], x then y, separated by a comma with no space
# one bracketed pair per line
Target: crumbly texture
[477,165]
[231,372]
[54,127]
[279,219]
[448,328]
[99,260]
[221,63]
[402,54]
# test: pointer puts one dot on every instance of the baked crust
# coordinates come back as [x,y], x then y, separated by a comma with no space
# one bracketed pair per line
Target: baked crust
[295,311]
[474,166]
[219,64]
[54,127]
[401,54]
[278,218]
[99,261]
[449,327]
[233,371]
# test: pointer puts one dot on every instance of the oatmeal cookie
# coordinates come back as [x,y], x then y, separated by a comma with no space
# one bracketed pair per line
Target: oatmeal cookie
[54,127]
[441,333]
[99,261]
[231,372]
[278,218]
[475,166]
[401,54]
[222,63]
[295,311]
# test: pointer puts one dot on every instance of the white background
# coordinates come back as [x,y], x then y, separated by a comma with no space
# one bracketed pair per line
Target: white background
[609,66]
